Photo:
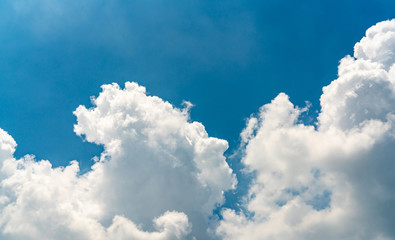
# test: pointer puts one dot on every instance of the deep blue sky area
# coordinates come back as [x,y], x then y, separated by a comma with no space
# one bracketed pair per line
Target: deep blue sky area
[226,57]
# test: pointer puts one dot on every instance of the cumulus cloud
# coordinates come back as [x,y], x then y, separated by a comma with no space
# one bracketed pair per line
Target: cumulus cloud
[153,155]
[160,175]
[330,181]
[157,166]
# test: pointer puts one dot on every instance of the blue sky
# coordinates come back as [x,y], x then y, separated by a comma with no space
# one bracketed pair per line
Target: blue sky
[228,58]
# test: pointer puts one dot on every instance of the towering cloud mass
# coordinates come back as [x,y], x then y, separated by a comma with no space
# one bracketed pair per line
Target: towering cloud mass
[335,180]
[160,175]
[156,165]
[154,159]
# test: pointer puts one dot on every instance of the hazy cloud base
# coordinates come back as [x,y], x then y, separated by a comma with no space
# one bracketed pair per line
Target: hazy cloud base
[160,175]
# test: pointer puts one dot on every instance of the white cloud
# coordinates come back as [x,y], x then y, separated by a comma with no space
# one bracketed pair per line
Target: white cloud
[155,163]
[161,175]
[41,202]
[157,156]
[334,181]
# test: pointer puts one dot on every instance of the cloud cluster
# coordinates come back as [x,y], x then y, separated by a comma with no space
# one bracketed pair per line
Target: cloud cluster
[160,175]
[156,165]
[330,181]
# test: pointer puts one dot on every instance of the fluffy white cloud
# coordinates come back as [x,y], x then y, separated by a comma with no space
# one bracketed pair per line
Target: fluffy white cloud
[156,163]
[335,180]
[156,157]
[41,202]
[161,175]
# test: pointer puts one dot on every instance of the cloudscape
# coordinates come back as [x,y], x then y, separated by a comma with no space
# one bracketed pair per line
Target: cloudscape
[156,173]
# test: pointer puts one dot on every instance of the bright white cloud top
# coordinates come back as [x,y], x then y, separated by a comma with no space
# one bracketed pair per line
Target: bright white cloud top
[160,175]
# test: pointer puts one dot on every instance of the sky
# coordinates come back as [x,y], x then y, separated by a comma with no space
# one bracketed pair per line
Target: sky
[197,119]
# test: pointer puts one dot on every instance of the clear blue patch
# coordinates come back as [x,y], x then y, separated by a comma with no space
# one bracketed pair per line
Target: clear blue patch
[321,201]
[316,173]
[281,203]
[296,192]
